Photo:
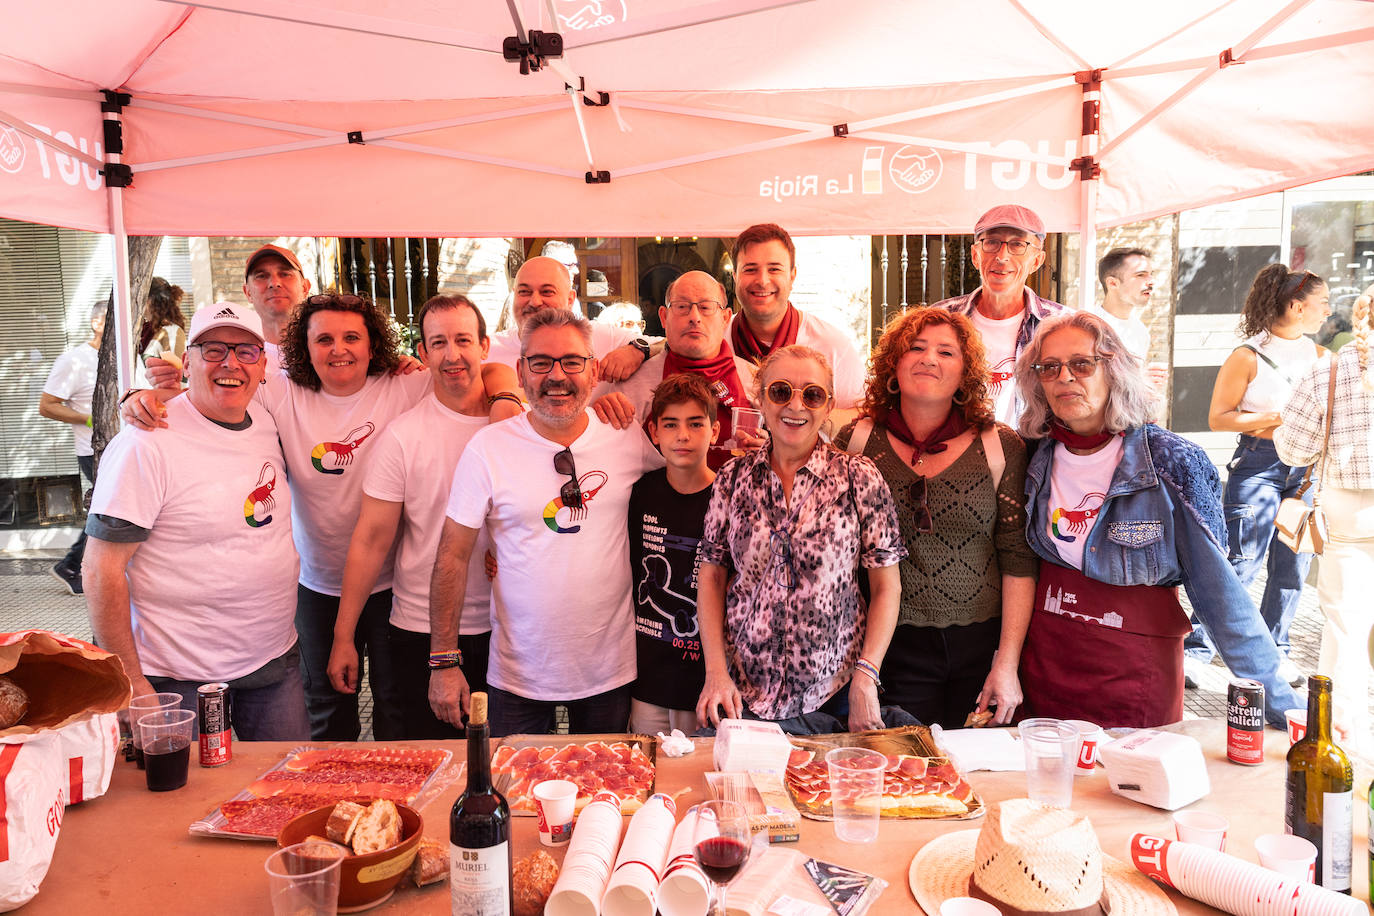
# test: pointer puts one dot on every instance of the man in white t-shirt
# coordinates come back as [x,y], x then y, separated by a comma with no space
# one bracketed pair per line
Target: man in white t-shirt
[765,267]
[553,489]
[190,568]
[66,398]
[694,319]
[408,480]
[543,283]
[1127,279]
[1008,247]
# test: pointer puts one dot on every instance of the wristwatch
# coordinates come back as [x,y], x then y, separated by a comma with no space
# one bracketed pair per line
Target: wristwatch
[642,345]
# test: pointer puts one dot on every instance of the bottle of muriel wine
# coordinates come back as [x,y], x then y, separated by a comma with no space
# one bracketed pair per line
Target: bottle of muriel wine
[1320,792]
[479,858]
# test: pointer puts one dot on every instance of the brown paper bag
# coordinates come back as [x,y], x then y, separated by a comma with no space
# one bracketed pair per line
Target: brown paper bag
[65,678]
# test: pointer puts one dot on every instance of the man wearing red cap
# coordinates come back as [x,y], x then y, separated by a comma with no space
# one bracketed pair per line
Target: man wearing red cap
[1008,246]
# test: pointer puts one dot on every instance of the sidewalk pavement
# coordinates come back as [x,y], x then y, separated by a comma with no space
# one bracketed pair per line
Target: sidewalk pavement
[31,597]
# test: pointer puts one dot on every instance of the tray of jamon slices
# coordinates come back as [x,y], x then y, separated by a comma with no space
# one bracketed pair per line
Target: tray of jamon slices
[311,777]
[919,781]
[622,764]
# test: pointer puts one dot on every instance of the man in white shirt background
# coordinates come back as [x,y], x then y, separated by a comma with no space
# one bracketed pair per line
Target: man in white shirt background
[1127,279]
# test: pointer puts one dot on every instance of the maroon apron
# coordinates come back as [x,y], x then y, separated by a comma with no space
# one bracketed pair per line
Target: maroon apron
[1111,654]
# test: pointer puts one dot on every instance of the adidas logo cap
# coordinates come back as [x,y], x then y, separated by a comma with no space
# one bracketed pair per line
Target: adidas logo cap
[225,315]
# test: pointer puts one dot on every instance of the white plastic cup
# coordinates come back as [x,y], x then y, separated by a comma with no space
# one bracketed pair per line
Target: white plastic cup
[1297,725]
[304,879]
[1291,856]
[1202,828]
[554,801]
[856,792]
[746,420]
[140,707]
[1051,748]
[167,739]
[968,906]
[1090,736]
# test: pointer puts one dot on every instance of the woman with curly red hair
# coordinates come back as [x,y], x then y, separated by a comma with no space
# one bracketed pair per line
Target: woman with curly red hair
[958,479]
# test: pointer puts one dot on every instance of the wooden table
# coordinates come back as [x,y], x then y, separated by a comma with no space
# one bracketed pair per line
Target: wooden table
[130,850]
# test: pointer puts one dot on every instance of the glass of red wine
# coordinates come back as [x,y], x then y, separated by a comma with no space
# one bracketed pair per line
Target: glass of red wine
[720,842]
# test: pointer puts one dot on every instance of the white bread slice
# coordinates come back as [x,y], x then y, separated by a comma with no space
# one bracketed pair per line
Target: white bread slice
[378,828]
[342,821]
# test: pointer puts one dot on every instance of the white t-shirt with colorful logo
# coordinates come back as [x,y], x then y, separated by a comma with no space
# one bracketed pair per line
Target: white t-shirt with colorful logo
[561,597]
[413,464]
[1078,487]
[327,441]
[999,339]
[213,588]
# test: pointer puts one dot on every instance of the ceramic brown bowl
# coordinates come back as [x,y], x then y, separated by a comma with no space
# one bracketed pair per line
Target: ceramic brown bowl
[366,880]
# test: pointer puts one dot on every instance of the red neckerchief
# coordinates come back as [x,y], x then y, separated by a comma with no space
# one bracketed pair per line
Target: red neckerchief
[723,379]
[1061,433]
[937,441]
[749,347]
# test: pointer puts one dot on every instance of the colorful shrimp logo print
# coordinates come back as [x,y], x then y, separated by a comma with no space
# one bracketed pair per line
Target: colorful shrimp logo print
[261,496]
[342,451]
[590,484]
[1001,374]
[1075,519]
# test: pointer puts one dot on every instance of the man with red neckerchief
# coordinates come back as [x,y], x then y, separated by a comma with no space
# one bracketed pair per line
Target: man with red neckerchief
[765,267]
[1008,247]
[694,320]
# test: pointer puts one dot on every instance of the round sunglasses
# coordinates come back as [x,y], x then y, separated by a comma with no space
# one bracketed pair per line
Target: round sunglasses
[813,396]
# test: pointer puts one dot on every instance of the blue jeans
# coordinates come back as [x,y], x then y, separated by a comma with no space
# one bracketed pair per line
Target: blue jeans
[1255,485]
[334,715]
[510,714]
[77,552]
[265,705]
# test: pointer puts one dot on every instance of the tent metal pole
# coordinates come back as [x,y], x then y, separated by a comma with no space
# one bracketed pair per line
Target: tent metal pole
[1268,52]
[38,136]
[123,314]
[80,95]
[1049,36]
[1088,175]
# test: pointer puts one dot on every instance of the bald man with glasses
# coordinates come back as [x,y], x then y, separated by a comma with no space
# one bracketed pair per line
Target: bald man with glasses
[1008,248]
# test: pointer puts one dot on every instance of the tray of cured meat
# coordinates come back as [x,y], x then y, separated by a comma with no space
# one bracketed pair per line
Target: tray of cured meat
[622,764]
[311,777]
[919,781]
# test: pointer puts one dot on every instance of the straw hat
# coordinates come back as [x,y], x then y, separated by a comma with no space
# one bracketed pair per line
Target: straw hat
[1032,858]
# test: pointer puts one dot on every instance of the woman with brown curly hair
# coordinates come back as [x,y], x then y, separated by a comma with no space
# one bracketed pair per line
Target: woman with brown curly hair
[164,326]
[958,479]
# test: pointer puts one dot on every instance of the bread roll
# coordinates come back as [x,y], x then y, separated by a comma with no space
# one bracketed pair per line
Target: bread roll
[532,881]
[14,703]
[379,828]
[342,820]
[431,863]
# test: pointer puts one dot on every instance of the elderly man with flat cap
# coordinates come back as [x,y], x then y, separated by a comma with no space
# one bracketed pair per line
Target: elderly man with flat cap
[1008,247]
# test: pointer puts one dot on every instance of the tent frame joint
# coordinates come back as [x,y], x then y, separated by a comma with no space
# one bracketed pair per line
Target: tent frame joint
[532,54]
[841,130]
[1087,168]
[598,177]
[114,101]
[1227,58]
[117,175]
[1091,80]
[356,136]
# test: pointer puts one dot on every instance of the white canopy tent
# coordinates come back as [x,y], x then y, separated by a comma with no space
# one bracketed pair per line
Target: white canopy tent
[403,117]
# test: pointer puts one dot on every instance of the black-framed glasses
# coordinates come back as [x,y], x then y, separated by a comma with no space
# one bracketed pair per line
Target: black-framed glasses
[1301,282]
[921,506]
[217,351]
[780,545]
[543,365]
[571,491]
[813,396]
[347,300]
[1015,246]
[1079,367]
[707,307]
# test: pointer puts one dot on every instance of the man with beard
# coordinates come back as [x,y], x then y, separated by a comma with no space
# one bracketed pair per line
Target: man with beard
[694,318]
[552,488]
[1008,247]
[406,488]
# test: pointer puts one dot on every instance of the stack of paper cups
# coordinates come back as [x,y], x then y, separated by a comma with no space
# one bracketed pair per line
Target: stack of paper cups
[684,890]
[582,882]
[1234,885]
[633,889]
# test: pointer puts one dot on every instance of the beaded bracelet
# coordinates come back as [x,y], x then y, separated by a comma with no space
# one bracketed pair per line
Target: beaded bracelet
[505,396]
[868,668]
[445,658]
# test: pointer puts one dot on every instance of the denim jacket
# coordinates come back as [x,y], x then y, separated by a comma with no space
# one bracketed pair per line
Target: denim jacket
[1162,524]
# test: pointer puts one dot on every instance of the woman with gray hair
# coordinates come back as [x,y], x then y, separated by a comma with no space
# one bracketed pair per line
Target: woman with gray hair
[1121,513]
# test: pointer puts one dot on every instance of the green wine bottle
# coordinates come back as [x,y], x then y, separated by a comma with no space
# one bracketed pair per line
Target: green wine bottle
[1320,793]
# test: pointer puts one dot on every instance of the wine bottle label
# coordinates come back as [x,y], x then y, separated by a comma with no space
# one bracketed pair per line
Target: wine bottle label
[1337,826]
[479,880]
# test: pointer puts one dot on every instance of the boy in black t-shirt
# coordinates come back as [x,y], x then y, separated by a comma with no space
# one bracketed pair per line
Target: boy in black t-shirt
[667,512]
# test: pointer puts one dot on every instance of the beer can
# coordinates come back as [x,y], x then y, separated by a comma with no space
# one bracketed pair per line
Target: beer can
[216,744]
[1245,722]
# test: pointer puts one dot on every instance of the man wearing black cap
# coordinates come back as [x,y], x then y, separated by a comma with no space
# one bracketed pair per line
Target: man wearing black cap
[1008,246]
